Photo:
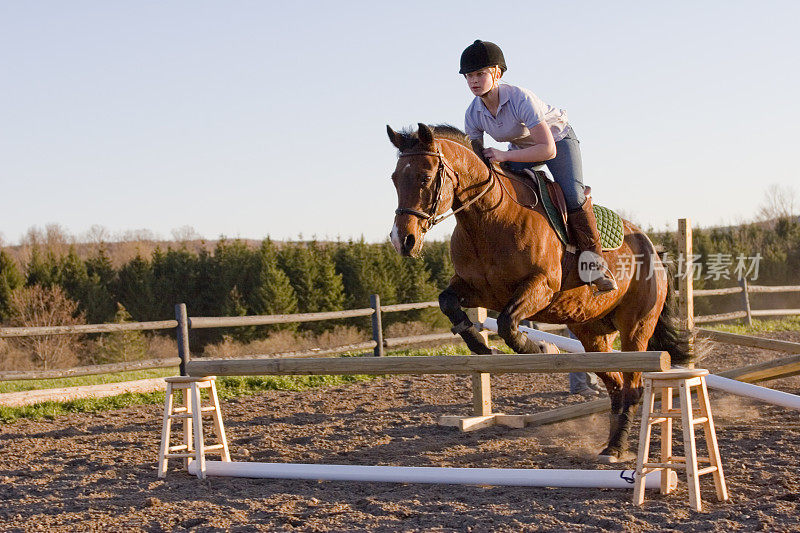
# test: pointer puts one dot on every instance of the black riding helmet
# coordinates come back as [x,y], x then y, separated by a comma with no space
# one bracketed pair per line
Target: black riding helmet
[481,54]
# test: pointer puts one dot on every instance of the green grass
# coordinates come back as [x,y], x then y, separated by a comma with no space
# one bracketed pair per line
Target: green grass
[227,387]
[79,381]
[791,323]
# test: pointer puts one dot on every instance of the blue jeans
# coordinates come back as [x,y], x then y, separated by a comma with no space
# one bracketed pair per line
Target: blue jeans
[579,381]
[566,168]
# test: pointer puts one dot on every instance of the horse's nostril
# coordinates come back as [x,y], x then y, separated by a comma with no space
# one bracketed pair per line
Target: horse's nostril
[408,243]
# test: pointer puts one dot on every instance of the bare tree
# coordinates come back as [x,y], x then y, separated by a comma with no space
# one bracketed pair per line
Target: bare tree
[779,202]
[186,234]
[136,235]
[40,306]
[97,234]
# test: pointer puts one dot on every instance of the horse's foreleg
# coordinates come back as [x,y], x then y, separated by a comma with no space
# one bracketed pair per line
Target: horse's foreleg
[531,297]
[450,304]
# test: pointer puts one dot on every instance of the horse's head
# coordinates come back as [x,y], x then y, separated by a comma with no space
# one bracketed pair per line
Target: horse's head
[424,183]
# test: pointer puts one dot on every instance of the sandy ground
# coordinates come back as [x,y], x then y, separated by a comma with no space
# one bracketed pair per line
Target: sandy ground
[97,472]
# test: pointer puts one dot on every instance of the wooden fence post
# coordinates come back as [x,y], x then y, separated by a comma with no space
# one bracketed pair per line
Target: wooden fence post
[481,382]
[182,332]
[746,300]
[377,326]
[685,282]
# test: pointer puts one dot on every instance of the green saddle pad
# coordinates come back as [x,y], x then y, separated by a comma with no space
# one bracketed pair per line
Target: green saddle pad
[609,224]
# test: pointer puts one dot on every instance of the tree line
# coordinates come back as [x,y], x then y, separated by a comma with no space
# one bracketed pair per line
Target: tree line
[233,279]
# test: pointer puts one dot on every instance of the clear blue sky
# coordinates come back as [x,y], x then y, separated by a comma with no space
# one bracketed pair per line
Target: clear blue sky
[256,118]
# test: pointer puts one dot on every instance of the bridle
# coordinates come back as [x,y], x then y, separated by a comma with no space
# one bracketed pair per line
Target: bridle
[443,168]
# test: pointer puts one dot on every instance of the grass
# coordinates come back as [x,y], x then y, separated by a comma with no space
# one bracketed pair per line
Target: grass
[791,323]
[79,381]
[228,387]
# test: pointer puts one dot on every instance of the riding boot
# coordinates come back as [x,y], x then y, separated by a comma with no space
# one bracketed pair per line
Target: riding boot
[583,225]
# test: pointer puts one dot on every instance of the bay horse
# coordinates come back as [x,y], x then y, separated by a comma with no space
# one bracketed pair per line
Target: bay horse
[508,258]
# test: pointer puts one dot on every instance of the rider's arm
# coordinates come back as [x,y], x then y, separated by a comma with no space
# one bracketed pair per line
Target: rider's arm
[543,149]
[475,135]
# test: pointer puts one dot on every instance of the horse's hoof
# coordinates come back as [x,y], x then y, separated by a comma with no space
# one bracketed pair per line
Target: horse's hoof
[548,347]
[607,459]
[615,456]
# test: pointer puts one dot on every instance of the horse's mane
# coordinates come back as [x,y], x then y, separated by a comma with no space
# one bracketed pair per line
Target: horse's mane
[440,131]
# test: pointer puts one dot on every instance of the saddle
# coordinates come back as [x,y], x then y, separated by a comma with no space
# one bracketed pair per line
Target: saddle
[609,223]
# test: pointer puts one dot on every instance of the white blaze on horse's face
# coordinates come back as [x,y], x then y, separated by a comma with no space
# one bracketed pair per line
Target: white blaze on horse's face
[395,235]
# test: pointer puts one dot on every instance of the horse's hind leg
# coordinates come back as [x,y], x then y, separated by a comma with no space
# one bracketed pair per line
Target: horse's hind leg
[450,304]
[634,334]
[528,299]
[595,337]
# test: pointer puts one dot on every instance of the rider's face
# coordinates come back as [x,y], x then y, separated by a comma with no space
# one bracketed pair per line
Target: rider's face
[481,81]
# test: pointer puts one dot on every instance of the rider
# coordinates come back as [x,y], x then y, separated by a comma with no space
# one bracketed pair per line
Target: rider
[537,132]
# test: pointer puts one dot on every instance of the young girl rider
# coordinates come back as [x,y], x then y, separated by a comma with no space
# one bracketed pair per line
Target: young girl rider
[537,133]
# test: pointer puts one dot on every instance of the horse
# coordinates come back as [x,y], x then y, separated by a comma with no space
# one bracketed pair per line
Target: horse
[508,258]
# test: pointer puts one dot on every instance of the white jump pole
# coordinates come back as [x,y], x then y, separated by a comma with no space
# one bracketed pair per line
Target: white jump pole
[731,386]
[764,394]
[521,477]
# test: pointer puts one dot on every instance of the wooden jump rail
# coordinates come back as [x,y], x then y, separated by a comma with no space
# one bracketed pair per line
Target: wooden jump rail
[437,364]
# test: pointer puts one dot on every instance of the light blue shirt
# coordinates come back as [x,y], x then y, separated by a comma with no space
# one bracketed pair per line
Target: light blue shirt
[519,110]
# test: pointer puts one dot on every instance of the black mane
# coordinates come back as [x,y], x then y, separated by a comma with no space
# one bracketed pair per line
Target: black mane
[440,131]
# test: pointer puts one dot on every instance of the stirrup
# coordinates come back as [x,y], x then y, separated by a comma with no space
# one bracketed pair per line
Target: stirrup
[598,290]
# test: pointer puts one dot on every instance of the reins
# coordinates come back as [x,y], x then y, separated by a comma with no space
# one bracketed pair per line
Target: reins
[431,218]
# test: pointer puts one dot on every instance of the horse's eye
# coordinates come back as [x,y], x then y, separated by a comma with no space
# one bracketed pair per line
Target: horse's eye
[425,178]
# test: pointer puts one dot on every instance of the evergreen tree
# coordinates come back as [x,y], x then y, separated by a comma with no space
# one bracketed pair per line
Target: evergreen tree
[273,293]
[313,276]
[133,288]
[42,269]
[99,301]
[121,346]
[173,280]
[10,279]
[72,277]
[437,260]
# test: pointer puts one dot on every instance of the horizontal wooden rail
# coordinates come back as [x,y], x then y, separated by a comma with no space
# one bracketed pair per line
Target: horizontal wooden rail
[417,339]
[86,328]
[749,340]
[394,308]
[774,312]
[750,289]
[437,364]
[262,320]
[777,368]
[93,370]
[775,288]
[717,292]
[705,319]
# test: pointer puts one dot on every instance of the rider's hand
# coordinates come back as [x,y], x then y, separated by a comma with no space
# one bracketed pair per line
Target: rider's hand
[492,154]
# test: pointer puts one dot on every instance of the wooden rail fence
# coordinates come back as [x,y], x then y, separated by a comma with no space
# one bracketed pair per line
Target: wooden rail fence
[183,323]
[686,291]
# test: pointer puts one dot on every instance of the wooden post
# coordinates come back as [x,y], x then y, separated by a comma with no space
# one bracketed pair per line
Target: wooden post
[481,383]
[377,327]
[685,282]
[182,332]
[746,301]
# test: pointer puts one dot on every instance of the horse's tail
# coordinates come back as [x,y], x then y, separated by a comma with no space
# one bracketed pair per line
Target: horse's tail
[668,336]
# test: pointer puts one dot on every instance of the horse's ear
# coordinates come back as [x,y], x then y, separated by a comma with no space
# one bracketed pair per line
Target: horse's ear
[395,137]
[425,134]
